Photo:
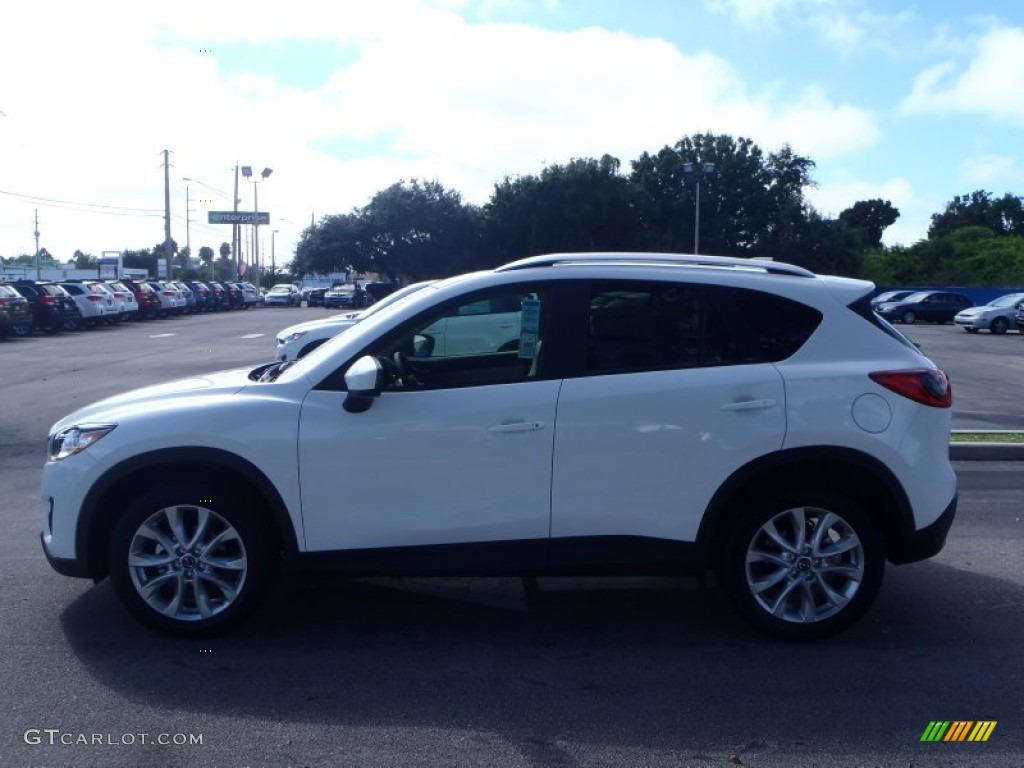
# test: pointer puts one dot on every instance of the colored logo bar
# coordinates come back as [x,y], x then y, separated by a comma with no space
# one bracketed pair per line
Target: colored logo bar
[959,730]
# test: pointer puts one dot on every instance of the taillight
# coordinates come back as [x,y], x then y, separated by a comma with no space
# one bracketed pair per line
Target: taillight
[93,297]
[118,295]
[168,293]
[48,299]
[4,302]
[928,386]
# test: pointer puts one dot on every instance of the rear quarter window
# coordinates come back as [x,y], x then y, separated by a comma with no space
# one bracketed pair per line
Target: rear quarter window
[774,327]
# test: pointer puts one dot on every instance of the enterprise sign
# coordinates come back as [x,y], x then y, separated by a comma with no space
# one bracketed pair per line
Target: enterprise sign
[238,217]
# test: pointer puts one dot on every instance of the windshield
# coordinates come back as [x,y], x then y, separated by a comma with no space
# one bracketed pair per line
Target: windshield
[1006,301]
[916,297]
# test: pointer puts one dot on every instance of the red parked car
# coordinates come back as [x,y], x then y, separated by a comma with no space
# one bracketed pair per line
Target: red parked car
[145,297]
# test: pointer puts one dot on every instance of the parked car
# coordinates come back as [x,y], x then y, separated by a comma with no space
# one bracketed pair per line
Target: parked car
[659,414]
[52,307]
[314,297]
[890,296]
[235,298]
[124,298]
[145,297]
[94,304]
[15,313]
[297,341]
[345,296]
[191,305]
[931,306]
[250,296]
[997,316]
[284,295]
[202,294]
[220,296]
[171,300]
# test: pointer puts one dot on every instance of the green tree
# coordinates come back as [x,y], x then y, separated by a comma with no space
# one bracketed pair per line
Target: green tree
[870,218]
[1003,216]
[85,261]
[583,205]
[206,258]
[750,205]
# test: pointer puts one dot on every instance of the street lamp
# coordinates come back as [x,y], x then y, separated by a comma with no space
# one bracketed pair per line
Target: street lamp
[698,171]
[273,262]
[247,172]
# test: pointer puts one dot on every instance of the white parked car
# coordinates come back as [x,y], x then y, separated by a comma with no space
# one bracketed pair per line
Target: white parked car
[283,295]
[171,300]
[658,414]
[299,340]
[998,316]
[124,299]
[95,304]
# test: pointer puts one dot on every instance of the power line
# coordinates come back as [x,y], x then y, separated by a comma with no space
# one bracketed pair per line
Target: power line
[114,210]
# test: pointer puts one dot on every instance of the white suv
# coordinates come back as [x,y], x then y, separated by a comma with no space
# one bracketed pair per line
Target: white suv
[656,414]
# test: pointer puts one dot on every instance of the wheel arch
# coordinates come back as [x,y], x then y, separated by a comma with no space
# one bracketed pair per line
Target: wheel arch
[861,477]
[115,488]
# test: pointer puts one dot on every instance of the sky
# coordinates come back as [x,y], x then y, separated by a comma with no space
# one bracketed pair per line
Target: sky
[910,102]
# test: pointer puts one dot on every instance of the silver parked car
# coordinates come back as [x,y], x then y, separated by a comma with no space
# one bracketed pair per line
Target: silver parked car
[998,316]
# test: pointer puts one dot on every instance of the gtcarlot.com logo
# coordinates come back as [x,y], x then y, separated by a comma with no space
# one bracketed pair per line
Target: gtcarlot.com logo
[958,730]
[58,737]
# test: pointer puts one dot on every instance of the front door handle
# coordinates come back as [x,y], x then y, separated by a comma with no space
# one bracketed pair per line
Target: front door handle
[749,405]
[517,426]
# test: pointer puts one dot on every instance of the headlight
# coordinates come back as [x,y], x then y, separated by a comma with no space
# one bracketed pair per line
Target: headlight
[293,337]
[74,440]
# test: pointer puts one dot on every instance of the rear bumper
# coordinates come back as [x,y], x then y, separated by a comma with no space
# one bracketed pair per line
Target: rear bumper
[926,542]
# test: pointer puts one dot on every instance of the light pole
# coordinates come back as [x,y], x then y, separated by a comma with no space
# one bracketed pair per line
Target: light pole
[247,172]
[273,262]
[698,171]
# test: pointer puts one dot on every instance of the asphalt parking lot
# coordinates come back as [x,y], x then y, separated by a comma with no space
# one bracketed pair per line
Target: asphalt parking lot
[453,672]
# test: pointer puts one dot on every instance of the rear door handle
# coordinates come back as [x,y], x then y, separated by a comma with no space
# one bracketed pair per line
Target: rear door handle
[517,426]
[749,405]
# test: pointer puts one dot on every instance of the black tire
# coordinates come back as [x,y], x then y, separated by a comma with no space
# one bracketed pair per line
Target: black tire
[908,318]
[970,330]
[226,581]
[804,594]
[21,330]
[71,323]
[999,326]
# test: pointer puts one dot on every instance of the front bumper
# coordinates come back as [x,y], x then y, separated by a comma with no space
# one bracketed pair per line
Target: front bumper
[65,566]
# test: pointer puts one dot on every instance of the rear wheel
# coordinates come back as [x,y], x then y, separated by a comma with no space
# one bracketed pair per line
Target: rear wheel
[803,566]
[999,325]
[192,559]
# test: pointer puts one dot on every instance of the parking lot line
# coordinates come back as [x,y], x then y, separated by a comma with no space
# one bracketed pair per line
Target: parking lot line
[252,335]
[160,335]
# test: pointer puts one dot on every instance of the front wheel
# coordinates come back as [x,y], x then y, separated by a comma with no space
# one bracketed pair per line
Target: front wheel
[909,318]
[804,566]
[192,559]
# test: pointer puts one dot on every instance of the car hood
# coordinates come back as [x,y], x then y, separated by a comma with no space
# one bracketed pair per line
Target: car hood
[208,385]
[341,323]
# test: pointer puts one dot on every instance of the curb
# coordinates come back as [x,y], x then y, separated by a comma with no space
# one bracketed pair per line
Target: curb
[986,451]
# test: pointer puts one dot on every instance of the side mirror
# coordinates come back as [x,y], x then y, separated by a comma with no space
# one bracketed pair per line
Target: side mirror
[362,380]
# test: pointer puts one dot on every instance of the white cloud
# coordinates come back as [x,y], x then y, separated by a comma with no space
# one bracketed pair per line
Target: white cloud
[835,195]
[991,171]
[422,93]
[990,85]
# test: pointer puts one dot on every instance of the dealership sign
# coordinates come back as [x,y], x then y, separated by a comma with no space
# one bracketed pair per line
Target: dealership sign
[238,217]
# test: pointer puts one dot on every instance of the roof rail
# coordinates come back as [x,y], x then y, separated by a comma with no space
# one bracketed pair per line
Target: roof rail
[552,259]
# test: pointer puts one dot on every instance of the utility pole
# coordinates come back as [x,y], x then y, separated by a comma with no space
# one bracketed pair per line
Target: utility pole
[188,221]
[236,233]
[37,244]
[167,214]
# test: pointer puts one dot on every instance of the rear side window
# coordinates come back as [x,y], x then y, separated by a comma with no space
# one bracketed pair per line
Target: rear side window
[775,327]
[637,326]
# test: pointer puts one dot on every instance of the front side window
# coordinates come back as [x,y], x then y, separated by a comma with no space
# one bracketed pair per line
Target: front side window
[491,339]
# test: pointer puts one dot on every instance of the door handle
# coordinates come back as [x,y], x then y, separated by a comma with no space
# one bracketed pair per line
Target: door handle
[749,405]
[517,426]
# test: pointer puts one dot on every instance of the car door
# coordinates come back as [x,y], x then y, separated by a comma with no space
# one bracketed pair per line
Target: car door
[668,405]
[456,450]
